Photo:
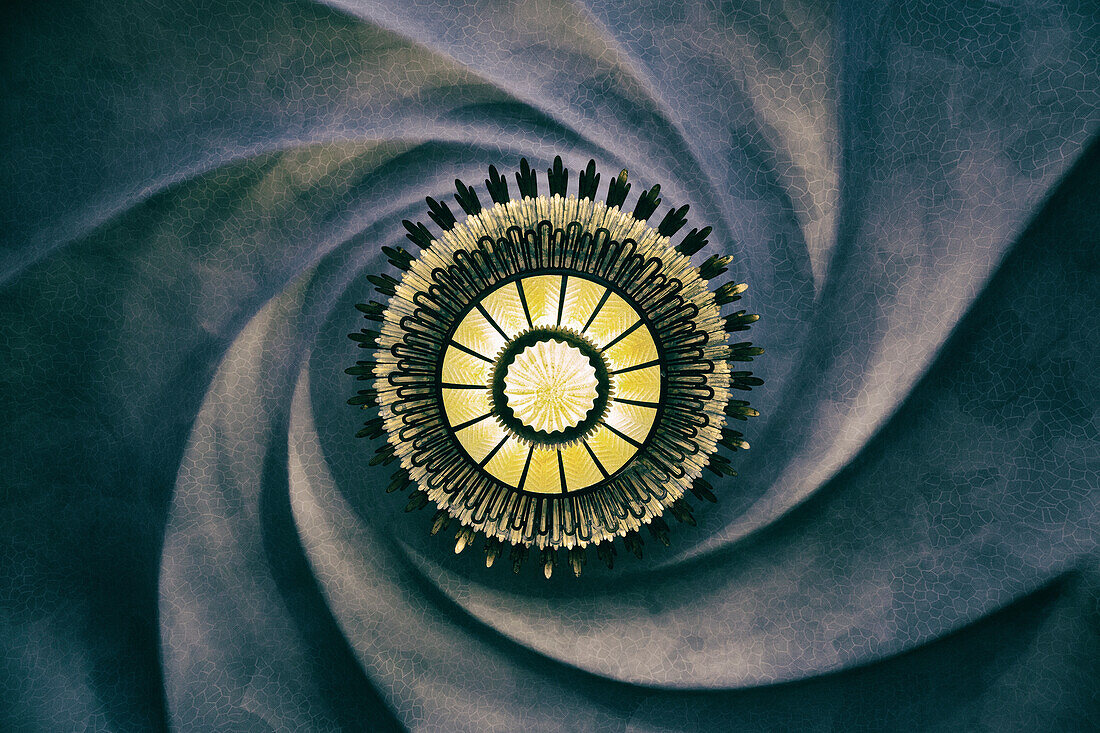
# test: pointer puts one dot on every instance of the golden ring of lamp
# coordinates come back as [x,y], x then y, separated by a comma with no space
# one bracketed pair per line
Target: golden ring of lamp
[571,392]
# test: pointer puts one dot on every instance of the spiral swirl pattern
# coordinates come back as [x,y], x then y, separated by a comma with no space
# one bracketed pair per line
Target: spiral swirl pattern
[192,539]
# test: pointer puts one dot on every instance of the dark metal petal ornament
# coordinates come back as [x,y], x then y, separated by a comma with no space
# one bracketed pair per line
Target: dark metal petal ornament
[552,372]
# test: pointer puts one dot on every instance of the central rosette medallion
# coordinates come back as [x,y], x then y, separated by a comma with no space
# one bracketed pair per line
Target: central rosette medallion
[550,386]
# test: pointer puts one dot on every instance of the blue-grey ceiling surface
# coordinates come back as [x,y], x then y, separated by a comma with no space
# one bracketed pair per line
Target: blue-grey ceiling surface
[191,537]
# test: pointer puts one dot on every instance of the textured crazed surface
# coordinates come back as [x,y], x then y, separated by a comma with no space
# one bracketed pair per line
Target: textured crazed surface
[191,537]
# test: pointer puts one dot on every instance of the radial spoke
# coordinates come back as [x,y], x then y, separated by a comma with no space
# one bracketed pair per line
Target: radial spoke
[596,310]
[623,435]
[492,323]
[473,421]
[637,324]
[561,297]
[523,299]
[526,466]
[493,452]
[470,351]
[643,365]
[595,460]
[636,403]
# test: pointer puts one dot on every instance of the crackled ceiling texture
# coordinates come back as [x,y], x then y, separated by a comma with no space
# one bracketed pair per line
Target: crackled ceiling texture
[193,194]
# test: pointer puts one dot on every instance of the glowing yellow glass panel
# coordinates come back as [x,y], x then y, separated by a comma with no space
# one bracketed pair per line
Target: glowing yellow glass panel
[581,298]
[542,476]
[507,464]
[543,293]
[480,438]
[461,368]
[643,385]
[612,450]
[505,307]
[580,471]
[636,347]
[539,468]
[614,317]
[630,419]
[465,404]
[475,333]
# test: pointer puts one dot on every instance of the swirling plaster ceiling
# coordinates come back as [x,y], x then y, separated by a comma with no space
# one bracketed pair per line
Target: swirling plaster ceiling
[194,192]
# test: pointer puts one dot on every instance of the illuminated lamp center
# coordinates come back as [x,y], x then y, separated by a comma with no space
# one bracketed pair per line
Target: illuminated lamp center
[551,386]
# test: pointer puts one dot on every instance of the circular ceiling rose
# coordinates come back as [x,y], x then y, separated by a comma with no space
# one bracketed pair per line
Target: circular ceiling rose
[551,372]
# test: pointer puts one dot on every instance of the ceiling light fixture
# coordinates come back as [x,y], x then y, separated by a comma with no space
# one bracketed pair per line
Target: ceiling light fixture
[551,372]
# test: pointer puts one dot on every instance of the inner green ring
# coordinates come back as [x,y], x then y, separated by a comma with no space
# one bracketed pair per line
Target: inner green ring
[504,411]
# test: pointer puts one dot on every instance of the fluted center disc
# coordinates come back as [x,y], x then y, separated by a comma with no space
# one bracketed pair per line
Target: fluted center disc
[551,386]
